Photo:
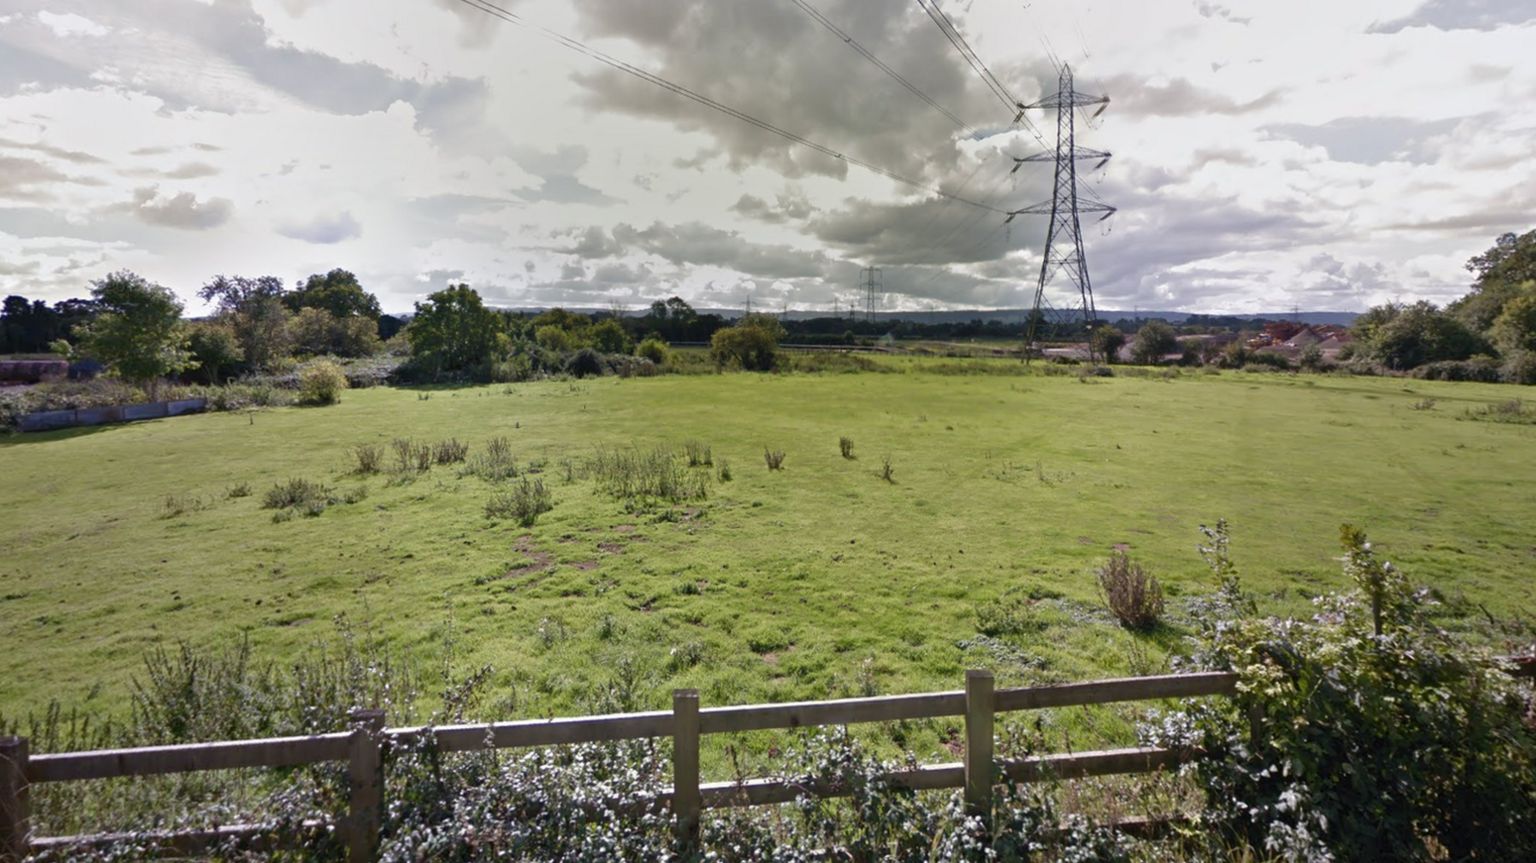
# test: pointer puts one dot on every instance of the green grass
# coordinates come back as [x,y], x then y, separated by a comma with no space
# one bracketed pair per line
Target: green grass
[818,580]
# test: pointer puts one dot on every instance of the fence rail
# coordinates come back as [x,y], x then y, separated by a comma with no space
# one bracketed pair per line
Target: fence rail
[363,748]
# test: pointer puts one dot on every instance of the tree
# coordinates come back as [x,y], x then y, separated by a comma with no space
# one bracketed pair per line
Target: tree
[214,347]
[254,309]
[138,334]
[1500,272]
[453,330]
[608,336]
[337,293]
[752,344]
[1106,341]
[1152,342]
[1514,331]
[314,331]
[1419,334]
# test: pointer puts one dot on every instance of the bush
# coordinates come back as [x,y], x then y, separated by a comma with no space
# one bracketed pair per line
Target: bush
[655,350]
[450,451]
[751,345]
[1133,596]
[321,383]
[845,446]
[1484,369]
[1520,368]
[1267,360]
[411,456]
[294,493]
[525,502]
[585,363]
[369,458]
[1367,733]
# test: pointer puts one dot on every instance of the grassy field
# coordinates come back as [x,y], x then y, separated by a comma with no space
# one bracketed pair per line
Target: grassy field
[819,580]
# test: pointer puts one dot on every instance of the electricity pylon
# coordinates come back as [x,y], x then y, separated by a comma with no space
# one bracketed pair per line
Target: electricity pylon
[872,292]
[1064,235]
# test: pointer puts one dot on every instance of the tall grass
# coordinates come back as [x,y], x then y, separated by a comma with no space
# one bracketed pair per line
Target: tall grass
[646,475]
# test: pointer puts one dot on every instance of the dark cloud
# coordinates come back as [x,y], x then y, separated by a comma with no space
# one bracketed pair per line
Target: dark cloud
[1178,97]
[1370,140]
[790,206]
[26,179]
[1493,220]
[592,242]
[697,244]
[73,156]
[774,62]
[935,231]
[1462,15]
[557,172]
[182,211]
[323,230]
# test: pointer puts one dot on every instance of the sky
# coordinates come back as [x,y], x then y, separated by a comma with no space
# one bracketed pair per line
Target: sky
[1267,154]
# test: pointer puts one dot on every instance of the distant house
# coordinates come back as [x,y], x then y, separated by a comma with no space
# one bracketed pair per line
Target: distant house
[1304,339]
[1335,343]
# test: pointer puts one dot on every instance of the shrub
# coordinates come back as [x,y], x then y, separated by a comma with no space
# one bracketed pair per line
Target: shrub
[524,501]
[369,458]
[1366,733]
[724,470]
[752,344]
[450,451]
[1520,368]
[295,493]
[654,350]
[411,456]
[1483,369]
[321,383]
[585,363]
[241,490]
[845,446]
[1133,596]
[774,458]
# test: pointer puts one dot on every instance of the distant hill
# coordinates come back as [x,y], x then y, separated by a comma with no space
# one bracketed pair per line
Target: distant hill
[1013,315]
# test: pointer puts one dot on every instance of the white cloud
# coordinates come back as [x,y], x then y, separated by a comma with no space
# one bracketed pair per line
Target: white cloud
[70,24]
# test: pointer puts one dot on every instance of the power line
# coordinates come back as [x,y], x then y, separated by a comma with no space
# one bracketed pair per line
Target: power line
[950,32]
[896,76]
[678,89]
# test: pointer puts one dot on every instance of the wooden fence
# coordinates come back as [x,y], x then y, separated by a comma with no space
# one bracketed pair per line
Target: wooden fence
[364,745]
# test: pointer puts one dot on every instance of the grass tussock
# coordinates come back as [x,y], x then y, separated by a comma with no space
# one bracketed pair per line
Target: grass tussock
[774,458]
[845,446]
[522,502]
[639,476]
[494,462]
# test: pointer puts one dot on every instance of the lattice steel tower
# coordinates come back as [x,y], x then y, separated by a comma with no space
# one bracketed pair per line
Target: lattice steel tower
[1064,236]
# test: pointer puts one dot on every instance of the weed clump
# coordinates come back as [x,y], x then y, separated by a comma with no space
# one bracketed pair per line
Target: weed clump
[724,470]
[887,470]
[495,462]
[241,490]
[523,502]
[1133,596]
[295,493]
[411,456]
[367,458]
[1013,613]
[450,451]
[774,458]
[845,446]
[639,476]
[698,453]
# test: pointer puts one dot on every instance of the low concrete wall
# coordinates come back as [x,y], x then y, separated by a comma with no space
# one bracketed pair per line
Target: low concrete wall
[51,420]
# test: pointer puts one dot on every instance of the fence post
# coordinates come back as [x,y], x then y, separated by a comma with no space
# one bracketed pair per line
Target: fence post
[686,802]
[15,808]
[365,775]
[979,717]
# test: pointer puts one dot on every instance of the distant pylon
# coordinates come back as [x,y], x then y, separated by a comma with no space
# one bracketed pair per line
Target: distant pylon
[871,286]
[1064,236]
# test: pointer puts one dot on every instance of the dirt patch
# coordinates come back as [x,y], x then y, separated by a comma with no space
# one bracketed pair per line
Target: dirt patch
[585,565]
[772,659]
[537,561]
[611,547]
[626,528]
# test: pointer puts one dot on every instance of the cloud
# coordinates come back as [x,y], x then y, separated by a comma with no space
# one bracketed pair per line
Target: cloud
[69,24]
[1369,140]
[22,179]
[323,230]
[791,206]
[557,173]
[183,210]
[73,156]
[782,73]
[1462,15]
[1136,96]
[697,244]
